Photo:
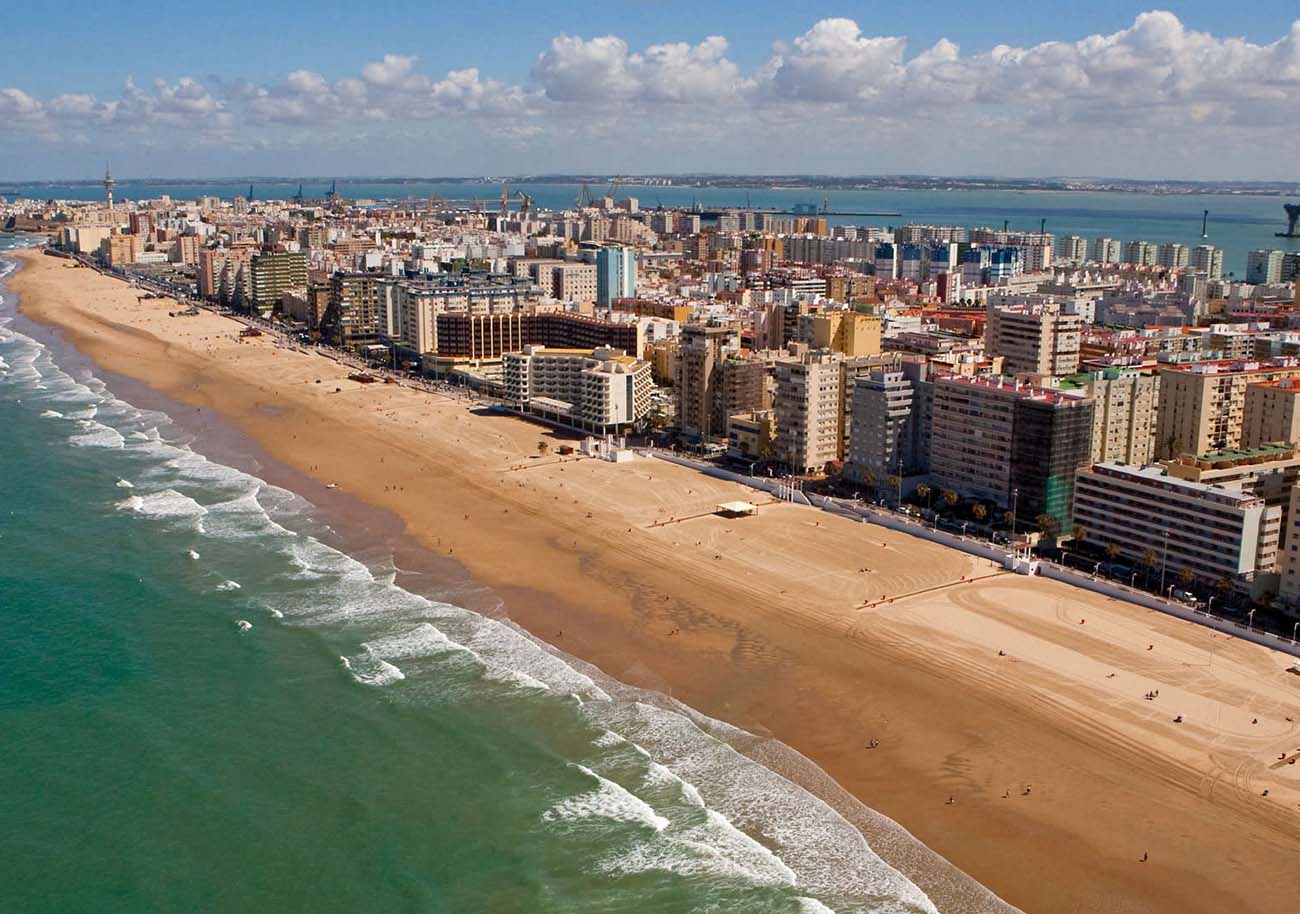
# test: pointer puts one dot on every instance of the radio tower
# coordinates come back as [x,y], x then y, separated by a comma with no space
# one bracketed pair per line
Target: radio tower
[108,187]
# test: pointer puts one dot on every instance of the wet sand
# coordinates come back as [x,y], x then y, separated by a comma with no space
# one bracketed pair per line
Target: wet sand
[1063,774]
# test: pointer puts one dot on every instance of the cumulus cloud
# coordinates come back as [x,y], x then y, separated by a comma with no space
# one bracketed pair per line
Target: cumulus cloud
[1157,83]
[603,71]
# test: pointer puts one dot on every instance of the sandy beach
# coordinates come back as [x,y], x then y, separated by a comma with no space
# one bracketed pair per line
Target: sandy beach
[1022,700]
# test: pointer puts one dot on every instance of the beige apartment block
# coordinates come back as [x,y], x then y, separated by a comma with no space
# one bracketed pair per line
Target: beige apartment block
[1034,339]
[809,411]
[1202,405]
[1124,416]
[1272,413]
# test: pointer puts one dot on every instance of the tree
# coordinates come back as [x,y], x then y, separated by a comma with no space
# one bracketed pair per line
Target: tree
[895,485]
[950,498]
[1048,525]
[923,491]
[1223,584]
[543,448]
[1149,559]
[1009,519]
[1112,551]
[869,479]
[1186,576]
[979,511]
[1080,533]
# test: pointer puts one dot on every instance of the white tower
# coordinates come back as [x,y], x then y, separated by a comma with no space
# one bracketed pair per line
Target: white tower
[108,187]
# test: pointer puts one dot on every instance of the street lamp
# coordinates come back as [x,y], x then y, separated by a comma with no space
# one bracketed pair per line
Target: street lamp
[1209,605]
[1169,594]
[964,525]
[1294,629]
[1132,578]
[1250,621]
[1015,494]
[1096,569]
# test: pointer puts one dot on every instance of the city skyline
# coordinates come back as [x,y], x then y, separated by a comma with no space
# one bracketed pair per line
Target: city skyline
[642,88]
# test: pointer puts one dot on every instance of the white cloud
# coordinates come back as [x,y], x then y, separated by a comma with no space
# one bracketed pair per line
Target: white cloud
[1155,88]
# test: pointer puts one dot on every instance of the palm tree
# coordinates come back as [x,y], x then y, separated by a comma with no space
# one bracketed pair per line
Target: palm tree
[1186,576]
[1223,585]
[1048,525]
[896,486]
[1149,559]
[979,511]
[950,497]
[1080,533]
[543,448]
[1009,519]
[1112,551]
[923,491]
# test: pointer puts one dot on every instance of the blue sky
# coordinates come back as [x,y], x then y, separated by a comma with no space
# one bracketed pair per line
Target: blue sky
[649,85]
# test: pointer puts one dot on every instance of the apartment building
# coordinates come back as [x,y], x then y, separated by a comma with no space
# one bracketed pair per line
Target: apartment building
[1003,441]
[699,355]
[1123,416]
[1039,339]
[890,429]
[273,274]
[849,332]
[1271,414]
[1202,405]
[601,390]
[809,409]
[464,337]
[1214,532]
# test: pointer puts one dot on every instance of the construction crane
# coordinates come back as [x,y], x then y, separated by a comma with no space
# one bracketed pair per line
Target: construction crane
[613,188]
[584,196]
[298,198]
[826,202]
[505,198]
[525,203]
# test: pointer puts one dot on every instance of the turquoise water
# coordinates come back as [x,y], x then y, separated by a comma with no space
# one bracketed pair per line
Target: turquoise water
[1238,223]
[355,746]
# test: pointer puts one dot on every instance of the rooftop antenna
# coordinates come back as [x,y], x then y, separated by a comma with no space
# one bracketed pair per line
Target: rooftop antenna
[1205,224]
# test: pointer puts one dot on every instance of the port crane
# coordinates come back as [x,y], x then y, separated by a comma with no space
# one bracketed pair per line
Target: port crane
[525,203]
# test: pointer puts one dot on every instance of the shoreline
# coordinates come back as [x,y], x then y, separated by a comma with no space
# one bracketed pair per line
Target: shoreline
[767,641]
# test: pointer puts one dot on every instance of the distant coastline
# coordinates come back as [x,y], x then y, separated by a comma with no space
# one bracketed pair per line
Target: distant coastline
[1168,187]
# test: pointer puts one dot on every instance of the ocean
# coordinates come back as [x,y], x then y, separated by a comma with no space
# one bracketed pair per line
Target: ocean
[209,701]
[1238,224]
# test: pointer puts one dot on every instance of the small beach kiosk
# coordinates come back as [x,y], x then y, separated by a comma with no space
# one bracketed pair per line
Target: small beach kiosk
[736,509]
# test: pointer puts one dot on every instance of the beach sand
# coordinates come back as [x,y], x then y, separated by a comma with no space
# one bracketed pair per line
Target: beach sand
[1063,775]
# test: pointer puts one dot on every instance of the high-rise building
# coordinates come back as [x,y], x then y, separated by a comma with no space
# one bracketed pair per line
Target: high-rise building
[699,356]
[1172,254]
[1271,414]
[1202,404]
[1072,249]
[1105,250]
[1123,415]
[1014,445]
[1142,253]
[615,274]
[1036,339]
[1264,267]
[274,274]
[809,410]
[890,429]
[1207,259]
